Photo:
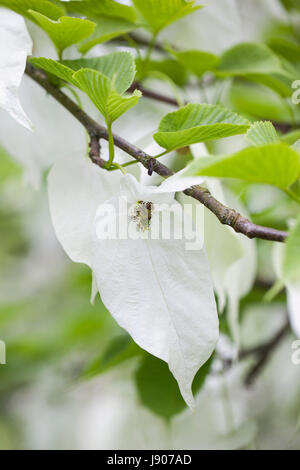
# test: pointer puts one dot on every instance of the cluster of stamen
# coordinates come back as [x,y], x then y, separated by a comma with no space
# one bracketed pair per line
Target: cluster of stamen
[142,214]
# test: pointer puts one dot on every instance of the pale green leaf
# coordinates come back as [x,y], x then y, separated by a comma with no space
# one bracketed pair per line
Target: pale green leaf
[117,65]
[158,14]
[100,90]
[260,102]
[66,31]
[258,63]
[198,123]
[104,79]
[262,133]
[274,164]
[291,258]
[109,8]
[291,137]
[170,67]
[198,62]
[106,29]
[42,6]
[249,58]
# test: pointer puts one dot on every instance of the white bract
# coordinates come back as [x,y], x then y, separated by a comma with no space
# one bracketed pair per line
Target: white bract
[292,290]
[15,46]
[157,290]
[231,256]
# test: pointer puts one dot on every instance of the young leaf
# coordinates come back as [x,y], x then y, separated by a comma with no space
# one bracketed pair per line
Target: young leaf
[106,29]
[44,7]
[198,62]
[198,123]
[66,31]
[101,91]
[108,8]
[158,14]
[274,164]
[170,67]
[291,258]
[158,389]
[262,133]
[104,79]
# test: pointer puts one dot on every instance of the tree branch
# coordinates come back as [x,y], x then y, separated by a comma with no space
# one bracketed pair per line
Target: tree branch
[96,132]
[263,352]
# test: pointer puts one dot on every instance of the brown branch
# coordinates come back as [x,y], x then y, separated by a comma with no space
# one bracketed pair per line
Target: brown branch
[153,95]
[96,132]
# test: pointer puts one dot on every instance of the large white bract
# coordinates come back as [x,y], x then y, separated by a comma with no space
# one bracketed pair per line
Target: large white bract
[155,289]
[15,46]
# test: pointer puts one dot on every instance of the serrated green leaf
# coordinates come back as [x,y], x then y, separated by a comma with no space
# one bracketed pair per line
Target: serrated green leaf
[106,29]
[291,258]
[104,79]
[170,67]
[274,164]
[258,63]
[42,6]
[198,123]
[100,90]
[262,133]
[158,14]
[66,31]
[198,62]
[158,390]
[249,58]
[119,350]
[109,8]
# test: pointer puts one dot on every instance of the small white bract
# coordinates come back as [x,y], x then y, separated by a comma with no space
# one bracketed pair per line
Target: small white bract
[15,46]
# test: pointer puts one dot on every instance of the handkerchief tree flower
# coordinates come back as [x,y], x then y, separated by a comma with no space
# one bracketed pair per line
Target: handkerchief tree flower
[165,294]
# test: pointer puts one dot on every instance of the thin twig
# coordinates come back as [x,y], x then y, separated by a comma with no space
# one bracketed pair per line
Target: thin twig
[225,215]
[263,352]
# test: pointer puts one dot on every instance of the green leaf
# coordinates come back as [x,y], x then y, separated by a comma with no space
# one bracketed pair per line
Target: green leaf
[109,8]
[260,102]
[262,133]
[249,58]
[291,258]
[158,14]
[104,79]
[291,4]
[258,63]
[158,389]
[119,350]
[106,29]
[42,6]
[198,62]
[274,164]
[66,31]
[291,137]
[169,67]
[286,47]
[101,91]
[198,123]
